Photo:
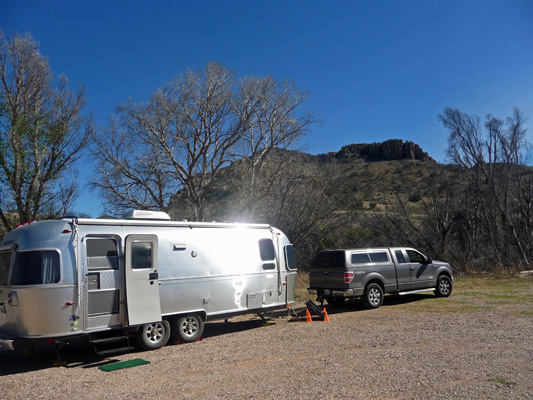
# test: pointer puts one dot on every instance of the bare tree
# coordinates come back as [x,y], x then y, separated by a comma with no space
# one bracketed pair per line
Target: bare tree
[495,187]
[42,133]
[273,122]
[190,130]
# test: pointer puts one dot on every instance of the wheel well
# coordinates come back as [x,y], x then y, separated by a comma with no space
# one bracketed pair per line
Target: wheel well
[445,274]
[376,281]
[201,313]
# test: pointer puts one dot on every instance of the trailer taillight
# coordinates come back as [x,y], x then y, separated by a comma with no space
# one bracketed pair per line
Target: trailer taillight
[13,299]
[348,277]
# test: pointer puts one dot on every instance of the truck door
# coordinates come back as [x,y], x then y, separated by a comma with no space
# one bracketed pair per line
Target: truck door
[421,271]
[142,279]
[403,271]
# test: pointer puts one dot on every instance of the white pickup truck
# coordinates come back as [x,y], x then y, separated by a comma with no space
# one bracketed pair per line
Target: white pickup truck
[336,275]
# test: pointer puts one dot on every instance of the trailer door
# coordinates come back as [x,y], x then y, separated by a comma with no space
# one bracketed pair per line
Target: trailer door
[142,280]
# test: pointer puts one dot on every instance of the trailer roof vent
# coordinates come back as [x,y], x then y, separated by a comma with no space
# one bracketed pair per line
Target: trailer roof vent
[145,214]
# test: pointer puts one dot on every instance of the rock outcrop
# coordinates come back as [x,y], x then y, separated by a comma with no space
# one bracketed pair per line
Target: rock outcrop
[394,149]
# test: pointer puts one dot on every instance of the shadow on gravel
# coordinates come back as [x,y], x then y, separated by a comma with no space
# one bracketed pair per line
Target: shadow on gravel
[217,328]
[357,305]
[16,362]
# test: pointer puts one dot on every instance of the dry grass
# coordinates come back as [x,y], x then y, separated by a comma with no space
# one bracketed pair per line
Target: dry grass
[470,294]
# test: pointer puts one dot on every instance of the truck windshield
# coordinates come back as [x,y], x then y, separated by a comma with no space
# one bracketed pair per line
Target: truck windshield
[5,265]
[36,268]
[329,259]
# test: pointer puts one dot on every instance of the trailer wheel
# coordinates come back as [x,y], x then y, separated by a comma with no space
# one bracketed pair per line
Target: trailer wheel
[373,296]
[153,336]
[444,286]
[188,328]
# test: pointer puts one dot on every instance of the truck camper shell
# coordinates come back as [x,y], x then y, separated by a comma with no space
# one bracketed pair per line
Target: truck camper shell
[143,275]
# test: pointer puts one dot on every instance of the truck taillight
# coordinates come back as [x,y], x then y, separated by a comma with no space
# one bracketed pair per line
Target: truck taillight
[348,277]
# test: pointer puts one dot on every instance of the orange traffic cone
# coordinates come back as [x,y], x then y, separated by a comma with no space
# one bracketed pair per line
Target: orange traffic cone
[326,318]
[308,315]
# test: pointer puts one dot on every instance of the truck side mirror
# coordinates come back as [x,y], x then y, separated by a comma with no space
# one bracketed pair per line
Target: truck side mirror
[427,260]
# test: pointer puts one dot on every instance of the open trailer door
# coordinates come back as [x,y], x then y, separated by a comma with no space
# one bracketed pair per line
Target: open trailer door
[142,280]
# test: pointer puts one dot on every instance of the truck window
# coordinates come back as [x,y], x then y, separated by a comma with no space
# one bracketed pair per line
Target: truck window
[290,263]
[36,268]
[268,253]
[379,257]
[102,253]
[400,257]
[5,265]
[360,258]
[141,255]
[328,259]
[415,256]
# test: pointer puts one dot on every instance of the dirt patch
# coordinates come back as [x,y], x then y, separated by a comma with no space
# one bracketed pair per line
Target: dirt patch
[402,350]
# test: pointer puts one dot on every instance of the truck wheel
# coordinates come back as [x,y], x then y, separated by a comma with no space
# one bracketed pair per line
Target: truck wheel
[444,286]
[153,336]
[335,301]
[188,328]
[373,296]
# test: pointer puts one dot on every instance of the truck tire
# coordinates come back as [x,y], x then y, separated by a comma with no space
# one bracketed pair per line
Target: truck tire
[188,328]
[444,286]
[153,336]
[373,296]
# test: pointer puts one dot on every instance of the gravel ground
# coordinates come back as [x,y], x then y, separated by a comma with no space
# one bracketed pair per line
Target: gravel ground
[395,352]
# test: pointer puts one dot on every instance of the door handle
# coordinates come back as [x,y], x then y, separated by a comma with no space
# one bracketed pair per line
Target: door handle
[412,268]
[153,275]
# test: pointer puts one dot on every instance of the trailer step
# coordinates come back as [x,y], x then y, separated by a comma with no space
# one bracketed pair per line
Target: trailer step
[110,345]
[117,350]
[112,339]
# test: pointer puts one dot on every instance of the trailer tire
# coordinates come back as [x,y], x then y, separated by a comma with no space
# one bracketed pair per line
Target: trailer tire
[153,336]
[188,328]
[444,286]
[373,296]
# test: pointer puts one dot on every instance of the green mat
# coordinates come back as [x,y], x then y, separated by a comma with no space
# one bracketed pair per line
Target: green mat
[123,364]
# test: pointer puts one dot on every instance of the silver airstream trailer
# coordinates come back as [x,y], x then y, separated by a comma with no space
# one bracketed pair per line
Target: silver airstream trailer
[141,276]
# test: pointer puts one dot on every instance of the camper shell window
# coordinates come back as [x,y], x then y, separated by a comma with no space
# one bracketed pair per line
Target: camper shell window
[379,257]
[5,265]
[102,253]
[329,260]
[360,258]
[36,268]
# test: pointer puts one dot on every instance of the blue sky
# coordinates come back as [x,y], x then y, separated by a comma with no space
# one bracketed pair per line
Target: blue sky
[376,70]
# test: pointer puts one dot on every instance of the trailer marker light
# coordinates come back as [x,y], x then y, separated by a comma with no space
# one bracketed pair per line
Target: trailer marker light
[348,277]
[69,303]
[66,231]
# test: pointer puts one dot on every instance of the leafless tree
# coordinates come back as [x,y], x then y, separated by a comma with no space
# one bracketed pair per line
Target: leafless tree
[495,186]
[42,133]
[190,130]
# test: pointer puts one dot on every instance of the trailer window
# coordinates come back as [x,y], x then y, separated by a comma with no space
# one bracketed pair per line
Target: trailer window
[36,268]
[102,253]
[268,253]
[5,265]
[141,255]
[289,258]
